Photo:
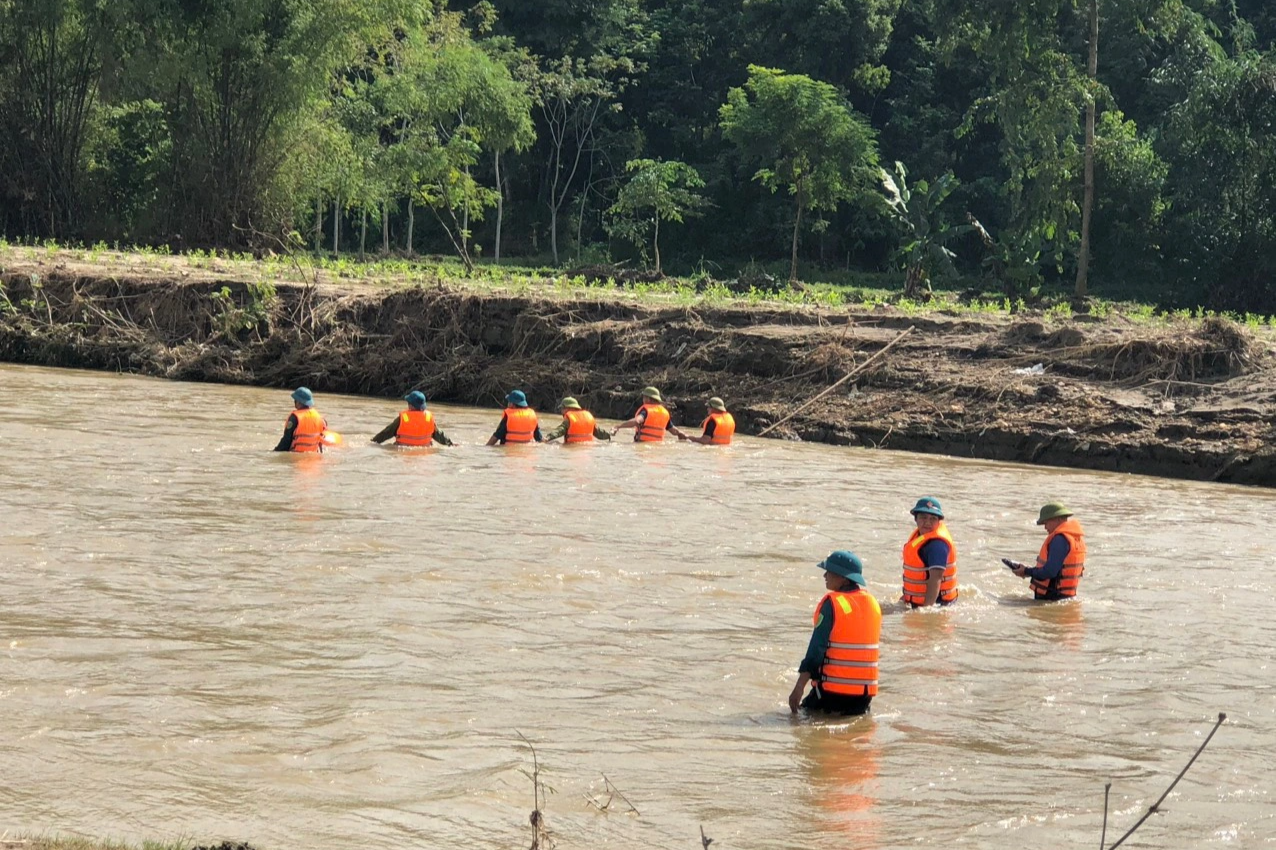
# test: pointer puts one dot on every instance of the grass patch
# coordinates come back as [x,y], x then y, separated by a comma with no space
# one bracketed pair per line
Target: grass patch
[832,290]
[54,842]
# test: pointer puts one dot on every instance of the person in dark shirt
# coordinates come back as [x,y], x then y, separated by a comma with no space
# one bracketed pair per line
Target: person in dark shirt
[841,657]
[1061,561]
[416,402]
[516,404]
[302,400]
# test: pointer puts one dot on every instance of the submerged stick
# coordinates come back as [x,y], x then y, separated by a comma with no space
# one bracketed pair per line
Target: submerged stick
[839,382]
[1103,836]
[1155,807]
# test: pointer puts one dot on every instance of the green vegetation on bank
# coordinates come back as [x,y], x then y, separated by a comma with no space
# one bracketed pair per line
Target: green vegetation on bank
[857,291]
[693,135]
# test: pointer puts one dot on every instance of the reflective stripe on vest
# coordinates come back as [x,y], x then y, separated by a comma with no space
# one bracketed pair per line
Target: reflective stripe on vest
[416,428]
[520,424]
[308,435]
[723,427]
[1063,586]
[916,573]
[850,663]
[652,429]
[580,426]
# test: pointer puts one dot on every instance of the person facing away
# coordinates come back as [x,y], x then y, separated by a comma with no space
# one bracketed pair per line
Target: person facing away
[1061,561]
[718,426]
[304,427]
[518,423]
[930,558]
[841,658]
[578,425]
[414,426]
[651,420]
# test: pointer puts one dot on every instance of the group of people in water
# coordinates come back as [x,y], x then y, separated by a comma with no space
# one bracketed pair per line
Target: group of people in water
[305,430]
[840,665]
[841,658]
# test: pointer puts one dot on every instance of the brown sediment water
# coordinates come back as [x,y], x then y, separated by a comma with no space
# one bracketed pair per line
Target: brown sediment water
[201,638]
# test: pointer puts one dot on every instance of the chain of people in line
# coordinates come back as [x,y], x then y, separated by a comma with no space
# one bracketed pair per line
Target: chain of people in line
[305,430]
[841,661]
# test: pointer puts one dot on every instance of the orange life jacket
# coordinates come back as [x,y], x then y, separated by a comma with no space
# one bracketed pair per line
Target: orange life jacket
[1065,585]
[916,573]
[416,428]
[580,426]
[850,664]
[723,427]
[308,435]
[520,424]
[652,429]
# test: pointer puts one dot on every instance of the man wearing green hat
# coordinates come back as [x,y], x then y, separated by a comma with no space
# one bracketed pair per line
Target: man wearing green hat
[578,425]
[304,427]
[651,421]
[414,426]
[930,558]
[841,658]
[1061,561]
[718,426]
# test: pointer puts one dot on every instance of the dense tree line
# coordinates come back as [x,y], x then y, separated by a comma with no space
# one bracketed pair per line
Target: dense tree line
[926,135]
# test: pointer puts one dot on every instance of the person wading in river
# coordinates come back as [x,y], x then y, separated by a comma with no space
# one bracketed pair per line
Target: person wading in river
[518,424]
[718,426]
[1061,561]
[930,558]
[304,428]
[841,659]
[414,426]
[651,420]
[578,425]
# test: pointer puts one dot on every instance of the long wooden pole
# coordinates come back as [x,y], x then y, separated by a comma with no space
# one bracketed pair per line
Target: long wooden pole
[840,381]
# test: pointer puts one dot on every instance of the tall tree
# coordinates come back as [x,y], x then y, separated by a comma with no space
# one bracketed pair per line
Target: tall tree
[807,138]
[656,192]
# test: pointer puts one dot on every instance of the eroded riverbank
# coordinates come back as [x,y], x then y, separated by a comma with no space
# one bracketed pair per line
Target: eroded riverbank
[1188,400]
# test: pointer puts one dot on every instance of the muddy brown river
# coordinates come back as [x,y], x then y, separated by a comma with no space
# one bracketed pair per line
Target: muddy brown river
[200,638]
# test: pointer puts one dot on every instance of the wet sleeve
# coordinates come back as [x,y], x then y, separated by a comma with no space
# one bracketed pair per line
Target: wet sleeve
[600,433]
[1058,552]
[935,554]
[709,427]
[285,442]
[819,645]
[557,432]
[387,432]
[499,433]
[536,435]
[441,438]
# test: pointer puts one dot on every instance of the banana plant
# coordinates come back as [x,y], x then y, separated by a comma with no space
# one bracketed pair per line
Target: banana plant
[924,251]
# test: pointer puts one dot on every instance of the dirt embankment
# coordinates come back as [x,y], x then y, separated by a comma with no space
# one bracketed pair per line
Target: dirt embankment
[1191,401]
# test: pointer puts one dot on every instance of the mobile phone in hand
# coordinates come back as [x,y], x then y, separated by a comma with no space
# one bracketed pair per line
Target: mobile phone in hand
[1011,564]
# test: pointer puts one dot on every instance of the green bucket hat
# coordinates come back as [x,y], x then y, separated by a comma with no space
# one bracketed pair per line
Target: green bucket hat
[716,403]
[569,403]
[845,564]
[928,505]
[652,393]
[1052,510]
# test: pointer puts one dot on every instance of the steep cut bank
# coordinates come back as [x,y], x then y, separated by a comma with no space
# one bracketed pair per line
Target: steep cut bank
[1193,400]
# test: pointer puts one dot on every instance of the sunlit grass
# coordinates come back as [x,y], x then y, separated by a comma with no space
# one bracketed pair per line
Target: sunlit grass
[836,290]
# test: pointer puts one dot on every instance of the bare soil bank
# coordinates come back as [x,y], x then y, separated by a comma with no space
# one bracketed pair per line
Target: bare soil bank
[1187,401]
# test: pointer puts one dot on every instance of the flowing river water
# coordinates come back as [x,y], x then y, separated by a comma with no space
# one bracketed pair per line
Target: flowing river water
[201,638]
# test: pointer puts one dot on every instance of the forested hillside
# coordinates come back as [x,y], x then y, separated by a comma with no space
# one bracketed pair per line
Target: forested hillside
[683,134]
